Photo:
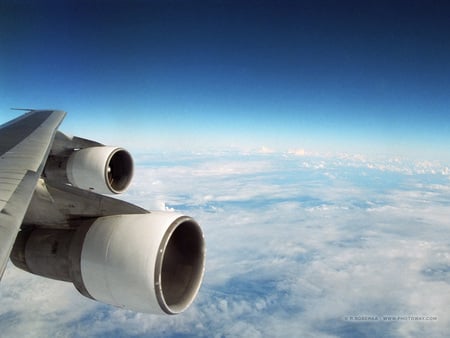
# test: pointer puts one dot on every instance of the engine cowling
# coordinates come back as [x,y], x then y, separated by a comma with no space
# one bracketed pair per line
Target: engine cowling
[102,169]
[150,263]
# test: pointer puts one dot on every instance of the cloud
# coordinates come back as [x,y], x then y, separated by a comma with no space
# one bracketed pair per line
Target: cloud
[297,152]
[296,246]
[266,150]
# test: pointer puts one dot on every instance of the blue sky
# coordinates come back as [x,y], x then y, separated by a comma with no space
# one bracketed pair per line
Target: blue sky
[362,76]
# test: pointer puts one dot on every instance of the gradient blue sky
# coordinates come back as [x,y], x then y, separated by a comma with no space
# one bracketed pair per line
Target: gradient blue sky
[359,76]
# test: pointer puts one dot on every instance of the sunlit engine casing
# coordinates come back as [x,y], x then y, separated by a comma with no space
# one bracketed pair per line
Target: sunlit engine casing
[123,268]
[103,169]
[151,263]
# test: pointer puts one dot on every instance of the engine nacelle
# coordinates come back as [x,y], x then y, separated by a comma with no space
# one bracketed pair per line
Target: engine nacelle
[150,263]
[102,169]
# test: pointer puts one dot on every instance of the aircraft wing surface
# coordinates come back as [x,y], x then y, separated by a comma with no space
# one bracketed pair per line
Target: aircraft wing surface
[25,143]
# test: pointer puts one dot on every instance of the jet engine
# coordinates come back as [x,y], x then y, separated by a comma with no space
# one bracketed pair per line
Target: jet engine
[150,263]
[102,169]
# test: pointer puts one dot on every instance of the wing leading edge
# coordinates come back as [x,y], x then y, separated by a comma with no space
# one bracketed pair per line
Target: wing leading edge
[25,143]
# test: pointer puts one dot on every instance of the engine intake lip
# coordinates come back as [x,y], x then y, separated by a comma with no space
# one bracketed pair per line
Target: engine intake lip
[179,265]
[118,170]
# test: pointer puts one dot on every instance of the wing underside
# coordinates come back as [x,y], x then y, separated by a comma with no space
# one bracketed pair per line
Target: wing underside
[24,147]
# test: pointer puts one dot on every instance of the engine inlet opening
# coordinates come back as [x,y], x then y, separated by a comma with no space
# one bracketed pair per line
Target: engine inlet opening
[182,266]
[120,170]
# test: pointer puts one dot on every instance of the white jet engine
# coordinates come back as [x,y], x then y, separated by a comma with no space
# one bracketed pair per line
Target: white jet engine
[101,169]
[150,263]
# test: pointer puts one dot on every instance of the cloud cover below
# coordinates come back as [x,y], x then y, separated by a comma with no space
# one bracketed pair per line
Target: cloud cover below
[297,245]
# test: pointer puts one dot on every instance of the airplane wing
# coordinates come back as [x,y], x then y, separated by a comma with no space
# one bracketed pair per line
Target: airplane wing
[55,221]
[25,143]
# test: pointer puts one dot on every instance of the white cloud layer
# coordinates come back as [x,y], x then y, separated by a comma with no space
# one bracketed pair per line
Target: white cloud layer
[297,246]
